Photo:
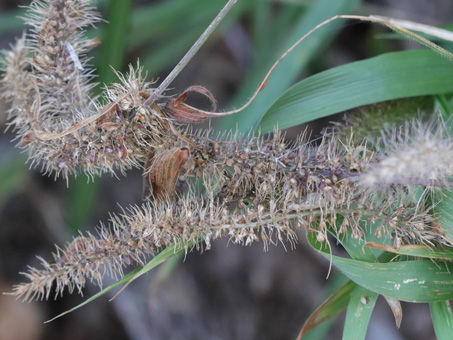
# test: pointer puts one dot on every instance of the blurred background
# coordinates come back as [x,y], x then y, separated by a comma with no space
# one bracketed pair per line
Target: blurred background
[229,292]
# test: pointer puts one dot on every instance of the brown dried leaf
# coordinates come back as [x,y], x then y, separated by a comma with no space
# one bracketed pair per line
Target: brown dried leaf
[183,113]
[165,169]
[396,308]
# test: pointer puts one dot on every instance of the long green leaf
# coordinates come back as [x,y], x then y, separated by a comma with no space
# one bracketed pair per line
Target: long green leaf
[288,71]
[385,77]
[413,281]
[358,314]
[158,259]
[442,319]
[415,250]
[123,280]
[359,306]
[362,301]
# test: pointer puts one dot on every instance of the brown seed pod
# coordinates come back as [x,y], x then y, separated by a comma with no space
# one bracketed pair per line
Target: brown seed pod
[164,170]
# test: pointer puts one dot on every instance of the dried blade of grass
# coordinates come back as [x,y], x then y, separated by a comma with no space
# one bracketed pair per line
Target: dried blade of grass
[397,310]
[418,27]
[388,23]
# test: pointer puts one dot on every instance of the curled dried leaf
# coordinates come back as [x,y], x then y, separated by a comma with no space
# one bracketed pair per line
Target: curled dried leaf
[183,113]
[165,169]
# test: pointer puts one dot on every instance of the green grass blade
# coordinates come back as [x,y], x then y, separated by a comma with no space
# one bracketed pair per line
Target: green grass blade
[422,40]
[408,29]
[358,314]
[361,303]
[417,250]
[139,271]
[333,305]
[158,259]
[413,281]
[444,106]
[442,317]
[355,248]
[289,69]
[385,77]
[123,280]
[114,39]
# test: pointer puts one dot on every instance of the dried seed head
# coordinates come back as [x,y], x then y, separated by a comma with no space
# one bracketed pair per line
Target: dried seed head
[64,128]
[417,153]
[244,206]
